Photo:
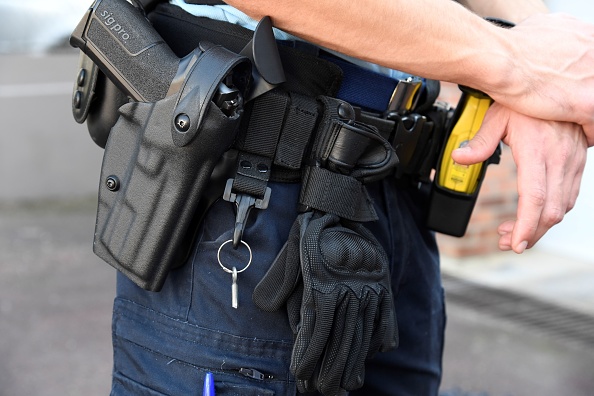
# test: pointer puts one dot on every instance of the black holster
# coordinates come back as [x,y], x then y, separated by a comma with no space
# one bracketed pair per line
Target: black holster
[154,172]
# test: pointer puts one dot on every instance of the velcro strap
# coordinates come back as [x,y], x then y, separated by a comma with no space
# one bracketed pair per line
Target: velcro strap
[334,193]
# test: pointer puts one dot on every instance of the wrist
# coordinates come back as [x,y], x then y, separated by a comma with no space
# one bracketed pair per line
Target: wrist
[494,68]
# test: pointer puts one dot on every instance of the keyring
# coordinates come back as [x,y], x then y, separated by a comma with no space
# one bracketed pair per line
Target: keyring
[227,270]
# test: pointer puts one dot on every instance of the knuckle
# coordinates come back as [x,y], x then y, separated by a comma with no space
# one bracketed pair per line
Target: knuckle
[536,197]
[481,140]
[553,216]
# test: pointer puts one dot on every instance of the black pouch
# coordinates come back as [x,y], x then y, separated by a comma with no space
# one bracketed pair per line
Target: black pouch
[157,162]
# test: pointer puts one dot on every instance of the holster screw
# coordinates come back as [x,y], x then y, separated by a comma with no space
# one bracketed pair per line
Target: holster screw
[182,122]
[112,183]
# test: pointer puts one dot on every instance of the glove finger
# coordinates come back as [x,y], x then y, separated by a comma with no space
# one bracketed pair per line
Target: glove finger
[294,307]
[385,334]
[340,347]
[316,324]
[355,369]
[282,277]
[330,367]
[305,386]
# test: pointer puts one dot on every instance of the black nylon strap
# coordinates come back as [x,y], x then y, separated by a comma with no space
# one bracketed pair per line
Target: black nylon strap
[259,144]
[266,122]
[334,193]
[300,122]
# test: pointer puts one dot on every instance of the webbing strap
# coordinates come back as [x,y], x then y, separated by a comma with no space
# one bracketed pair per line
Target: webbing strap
[332,192]
[300,122]
[269,114]
[258,146]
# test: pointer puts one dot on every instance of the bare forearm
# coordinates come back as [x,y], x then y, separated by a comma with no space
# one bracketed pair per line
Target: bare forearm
[541,68]
[511,10]
[432,38]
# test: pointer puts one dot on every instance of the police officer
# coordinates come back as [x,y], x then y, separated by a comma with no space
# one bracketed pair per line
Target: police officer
[165,342]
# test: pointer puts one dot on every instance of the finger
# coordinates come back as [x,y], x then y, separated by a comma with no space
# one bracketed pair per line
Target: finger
[562,170]
[580,157]
[505,233]
[485,142]
[589,132]
[575,189]
[294,307]
[317,318]
[279,282]
[555,205]
[505,242]
[354,373]
[506,227]
[340,346]
[532,195]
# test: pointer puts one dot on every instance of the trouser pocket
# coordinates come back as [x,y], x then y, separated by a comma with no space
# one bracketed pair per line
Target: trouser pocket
[157,355]
[126,386]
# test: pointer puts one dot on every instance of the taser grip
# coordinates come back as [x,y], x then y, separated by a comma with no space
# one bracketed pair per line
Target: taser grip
[455,188]
[457,177]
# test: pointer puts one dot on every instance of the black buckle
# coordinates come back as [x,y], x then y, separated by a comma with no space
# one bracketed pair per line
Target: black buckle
[244,203]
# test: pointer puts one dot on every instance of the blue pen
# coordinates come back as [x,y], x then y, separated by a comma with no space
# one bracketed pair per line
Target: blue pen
[209,389]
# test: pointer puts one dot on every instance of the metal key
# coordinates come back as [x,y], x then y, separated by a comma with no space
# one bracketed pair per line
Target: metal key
[234,298]
[234,272]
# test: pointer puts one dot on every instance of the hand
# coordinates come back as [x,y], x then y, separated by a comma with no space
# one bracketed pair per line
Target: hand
[551,75]
[550,157]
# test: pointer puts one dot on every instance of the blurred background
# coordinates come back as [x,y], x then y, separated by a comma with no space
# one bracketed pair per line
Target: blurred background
[517,325]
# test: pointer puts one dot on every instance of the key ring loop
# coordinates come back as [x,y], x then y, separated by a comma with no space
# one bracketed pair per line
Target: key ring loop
[227,270]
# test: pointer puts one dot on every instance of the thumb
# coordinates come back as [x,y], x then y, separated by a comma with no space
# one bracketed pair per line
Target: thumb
[486,140]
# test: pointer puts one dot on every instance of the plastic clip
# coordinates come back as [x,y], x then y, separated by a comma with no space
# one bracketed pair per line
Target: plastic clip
[412,133]
[244,203]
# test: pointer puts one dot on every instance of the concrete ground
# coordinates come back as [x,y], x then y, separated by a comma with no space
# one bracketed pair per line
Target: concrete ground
[55,308]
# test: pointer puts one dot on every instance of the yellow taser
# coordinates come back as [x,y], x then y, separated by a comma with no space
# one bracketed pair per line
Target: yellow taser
[457,177]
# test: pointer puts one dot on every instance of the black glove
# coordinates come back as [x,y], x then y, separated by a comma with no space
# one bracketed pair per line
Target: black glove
[333,275]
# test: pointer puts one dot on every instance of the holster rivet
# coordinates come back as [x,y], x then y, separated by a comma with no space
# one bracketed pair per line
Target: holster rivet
[112,183]
[182,122]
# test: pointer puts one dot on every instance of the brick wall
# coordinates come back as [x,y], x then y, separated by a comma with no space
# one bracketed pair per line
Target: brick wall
[496,203]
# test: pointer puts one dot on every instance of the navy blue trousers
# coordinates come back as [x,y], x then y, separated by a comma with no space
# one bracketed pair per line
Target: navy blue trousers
[165,342]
